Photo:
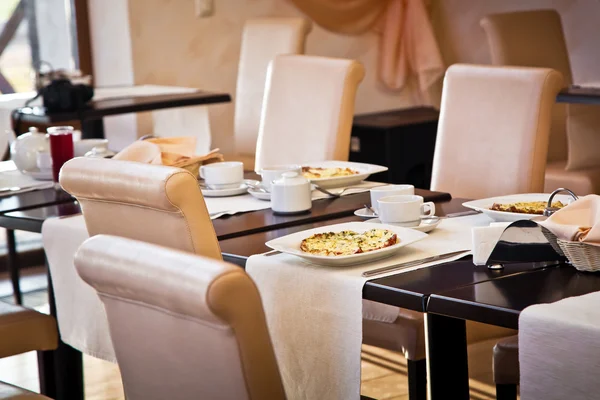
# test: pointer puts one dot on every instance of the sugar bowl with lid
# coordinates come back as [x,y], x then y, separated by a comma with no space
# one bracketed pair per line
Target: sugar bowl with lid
[291,194]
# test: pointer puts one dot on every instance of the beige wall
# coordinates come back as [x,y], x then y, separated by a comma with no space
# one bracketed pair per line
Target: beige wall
[462,40]
[171,46]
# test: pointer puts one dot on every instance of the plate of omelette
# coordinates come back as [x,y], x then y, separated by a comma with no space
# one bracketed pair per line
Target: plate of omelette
[346,244]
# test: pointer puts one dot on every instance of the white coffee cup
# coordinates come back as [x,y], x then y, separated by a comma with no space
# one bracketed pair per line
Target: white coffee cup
[223,175]
[270,174]
[43,160]
[404,210]
[389,190]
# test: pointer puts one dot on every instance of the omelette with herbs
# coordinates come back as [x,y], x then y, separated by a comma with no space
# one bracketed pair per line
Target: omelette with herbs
[529,207]
[346,243]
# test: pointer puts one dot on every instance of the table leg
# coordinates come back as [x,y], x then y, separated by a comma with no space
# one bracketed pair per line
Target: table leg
[13,265]
[68,362]
[92,129]
[447,358]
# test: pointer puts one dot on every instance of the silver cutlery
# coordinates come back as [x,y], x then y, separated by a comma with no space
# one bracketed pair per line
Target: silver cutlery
[11,189]
[341,192]
[272,253]
[414,263]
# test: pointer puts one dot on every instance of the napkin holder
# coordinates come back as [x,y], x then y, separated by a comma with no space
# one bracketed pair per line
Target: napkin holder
[524,241]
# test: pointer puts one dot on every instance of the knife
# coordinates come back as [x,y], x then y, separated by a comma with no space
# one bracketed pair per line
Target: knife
[414,263]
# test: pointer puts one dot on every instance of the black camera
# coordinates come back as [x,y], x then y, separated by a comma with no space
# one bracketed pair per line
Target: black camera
[61,95]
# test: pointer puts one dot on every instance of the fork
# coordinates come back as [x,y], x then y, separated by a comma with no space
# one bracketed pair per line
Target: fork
[335,195]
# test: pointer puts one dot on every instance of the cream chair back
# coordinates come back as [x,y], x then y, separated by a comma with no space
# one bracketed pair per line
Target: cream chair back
[493,130]
[152,203]
[262,40]
[308,110]
[533,39]
[183,326]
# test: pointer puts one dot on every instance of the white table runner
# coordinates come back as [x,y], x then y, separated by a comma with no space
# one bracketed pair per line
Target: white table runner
[220,206]
[314,313]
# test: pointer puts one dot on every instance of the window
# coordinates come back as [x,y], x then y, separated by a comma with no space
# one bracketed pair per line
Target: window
[31,32]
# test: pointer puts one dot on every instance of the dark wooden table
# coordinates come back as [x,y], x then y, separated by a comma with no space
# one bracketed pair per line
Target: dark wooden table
[91,116]
[578,94]
[226,227]
[497,302]
[69,366]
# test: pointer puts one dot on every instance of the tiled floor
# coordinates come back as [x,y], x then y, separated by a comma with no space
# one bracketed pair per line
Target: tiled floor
[383,372]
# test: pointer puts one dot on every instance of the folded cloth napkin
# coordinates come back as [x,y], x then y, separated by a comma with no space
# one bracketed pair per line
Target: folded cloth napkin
[485,239]
[174,152]
[579,221]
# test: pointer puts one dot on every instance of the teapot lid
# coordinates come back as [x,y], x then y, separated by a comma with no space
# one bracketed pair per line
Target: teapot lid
[291,178]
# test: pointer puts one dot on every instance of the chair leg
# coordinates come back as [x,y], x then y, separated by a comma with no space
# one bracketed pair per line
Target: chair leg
[46,373]
[13,265]
[417,379]
[506,392]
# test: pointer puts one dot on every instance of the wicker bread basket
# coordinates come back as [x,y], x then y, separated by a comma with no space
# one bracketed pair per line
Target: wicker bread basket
[582,256]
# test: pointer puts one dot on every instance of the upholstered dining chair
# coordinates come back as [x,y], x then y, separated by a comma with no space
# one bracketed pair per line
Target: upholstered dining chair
[536,39]
[307,110]
[262,40]
[153,203]
[492,137]
[502,115]
[183,326]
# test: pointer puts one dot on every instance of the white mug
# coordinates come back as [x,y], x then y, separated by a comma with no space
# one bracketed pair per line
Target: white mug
[269,174]
[404,210]
[223,175]
[389,190]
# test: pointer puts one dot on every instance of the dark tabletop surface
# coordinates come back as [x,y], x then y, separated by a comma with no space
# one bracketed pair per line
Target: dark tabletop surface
[227,227]
[500,301]
[37,198]
[577,94]
[101,108]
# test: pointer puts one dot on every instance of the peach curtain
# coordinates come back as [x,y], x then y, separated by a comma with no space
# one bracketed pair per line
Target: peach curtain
[408,47]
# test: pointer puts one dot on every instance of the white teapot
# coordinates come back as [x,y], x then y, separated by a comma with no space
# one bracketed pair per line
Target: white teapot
[291,194]
[24,149]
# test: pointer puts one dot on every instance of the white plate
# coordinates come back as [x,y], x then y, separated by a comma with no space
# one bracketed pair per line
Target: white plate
[364,171]
[484,205]
[224,192]
[421,228]
[365,213]
[40,175]
[290,244]
[260,195]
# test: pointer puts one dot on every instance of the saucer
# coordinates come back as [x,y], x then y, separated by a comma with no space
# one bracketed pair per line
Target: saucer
[365,213]
[40,174]
[241,189]
[421,228]
[260,195]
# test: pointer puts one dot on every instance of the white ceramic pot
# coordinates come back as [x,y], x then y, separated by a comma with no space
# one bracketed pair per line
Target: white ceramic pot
[23,151]
[81,147]
[291,194]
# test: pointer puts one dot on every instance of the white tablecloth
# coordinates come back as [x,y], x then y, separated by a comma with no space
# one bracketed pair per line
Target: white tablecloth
[314,313]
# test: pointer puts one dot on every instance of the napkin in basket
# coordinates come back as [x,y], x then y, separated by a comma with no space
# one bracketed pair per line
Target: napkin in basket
[579,221]
[174,152]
